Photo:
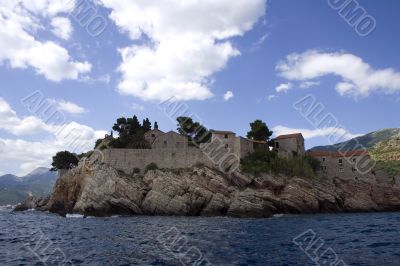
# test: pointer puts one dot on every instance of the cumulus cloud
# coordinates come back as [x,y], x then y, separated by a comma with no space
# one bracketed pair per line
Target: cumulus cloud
[228,95]
[62,27]
[357,77]
[342,133]
[189,42]
[29,155]
[19,23]
[284,87]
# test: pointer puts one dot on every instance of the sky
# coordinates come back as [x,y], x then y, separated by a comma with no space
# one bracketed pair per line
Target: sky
[68,68]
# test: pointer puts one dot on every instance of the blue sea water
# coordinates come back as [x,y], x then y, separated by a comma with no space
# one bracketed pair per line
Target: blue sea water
[34,238]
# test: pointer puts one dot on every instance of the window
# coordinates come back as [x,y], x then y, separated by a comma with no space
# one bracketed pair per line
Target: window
[226,146]
[340,161]
[354,159]
[153,136]
[277,145]
[226,136]
[165,142]
[323,159]
[353,169]
[341,170]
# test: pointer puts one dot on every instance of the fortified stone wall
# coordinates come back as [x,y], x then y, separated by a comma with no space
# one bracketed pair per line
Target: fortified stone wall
[128,159]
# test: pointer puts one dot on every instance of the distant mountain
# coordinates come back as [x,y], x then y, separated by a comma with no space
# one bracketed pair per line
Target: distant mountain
[368,141]
[14,189]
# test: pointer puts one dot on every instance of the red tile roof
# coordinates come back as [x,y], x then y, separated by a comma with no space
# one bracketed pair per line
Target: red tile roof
[289,136]
[337,154]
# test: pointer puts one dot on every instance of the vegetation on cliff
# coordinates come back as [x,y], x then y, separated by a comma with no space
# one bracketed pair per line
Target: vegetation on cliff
[265,161]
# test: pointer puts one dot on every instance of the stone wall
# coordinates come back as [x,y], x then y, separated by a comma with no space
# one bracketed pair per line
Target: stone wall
[128,159]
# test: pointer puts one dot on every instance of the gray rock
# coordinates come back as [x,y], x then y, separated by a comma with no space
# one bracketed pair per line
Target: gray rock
[101,190]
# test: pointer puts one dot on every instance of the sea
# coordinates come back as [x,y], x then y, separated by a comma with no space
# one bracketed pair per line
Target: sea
[37,238]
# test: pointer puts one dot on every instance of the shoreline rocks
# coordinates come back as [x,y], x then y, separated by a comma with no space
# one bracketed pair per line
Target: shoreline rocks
[103,191]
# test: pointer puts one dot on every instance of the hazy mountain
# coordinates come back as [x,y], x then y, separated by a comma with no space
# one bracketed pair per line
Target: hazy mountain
[367,141]
[14,189]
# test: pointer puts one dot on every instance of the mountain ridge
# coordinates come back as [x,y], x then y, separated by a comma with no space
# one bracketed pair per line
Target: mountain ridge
[15,189]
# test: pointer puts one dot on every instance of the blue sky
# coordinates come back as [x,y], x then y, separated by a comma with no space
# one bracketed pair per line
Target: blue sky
[196,52]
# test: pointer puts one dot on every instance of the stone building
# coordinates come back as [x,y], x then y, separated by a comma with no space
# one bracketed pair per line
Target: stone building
[346,165]
[172,150]
[289,145]
[152,135]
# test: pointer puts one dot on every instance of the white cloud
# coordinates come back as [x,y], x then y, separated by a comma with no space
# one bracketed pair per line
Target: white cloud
[309,84]
[284,87]
[358,77]
[10,122]
[29,155]
[137,107]
[70,107]
[271,97]
[19,22]
[189,42]
[228,95]
[62,27]
[342,133]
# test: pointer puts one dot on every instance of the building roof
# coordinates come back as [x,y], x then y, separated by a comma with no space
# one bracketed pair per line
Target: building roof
[153,131]
[221,132]
[289,136]
[337,153]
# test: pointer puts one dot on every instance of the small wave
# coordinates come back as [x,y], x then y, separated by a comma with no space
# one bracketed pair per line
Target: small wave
[278,215]
[71,215]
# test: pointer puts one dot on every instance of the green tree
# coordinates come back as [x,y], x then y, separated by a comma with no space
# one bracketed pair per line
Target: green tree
[193,130]
[131,133]
[259,131]
[64,160]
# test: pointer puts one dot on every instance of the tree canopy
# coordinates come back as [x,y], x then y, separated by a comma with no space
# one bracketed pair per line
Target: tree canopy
[259,131]
[195,132]
[131,133]
[64,160]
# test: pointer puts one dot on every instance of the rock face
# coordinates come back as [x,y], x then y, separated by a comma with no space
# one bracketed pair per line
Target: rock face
[100,190]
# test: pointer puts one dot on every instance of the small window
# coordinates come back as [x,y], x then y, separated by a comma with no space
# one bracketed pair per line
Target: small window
[341,170]
[226,146]
[226,136]
[277,145]
[165,142]
[354,159]
[323,159]
[340,161]
[153,136]
[353,169]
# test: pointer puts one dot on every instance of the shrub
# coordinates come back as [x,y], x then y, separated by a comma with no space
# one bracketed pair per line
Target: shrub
[136,170]
[151,166]
[265,161]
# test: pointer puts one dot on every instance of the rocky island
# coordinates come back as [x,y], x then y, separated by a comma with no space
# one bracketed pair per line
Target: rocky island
[172,176]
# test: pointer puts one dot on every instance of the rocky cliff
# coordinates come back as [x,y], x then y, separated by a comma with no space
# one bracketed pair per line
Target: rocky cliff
[101,190]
